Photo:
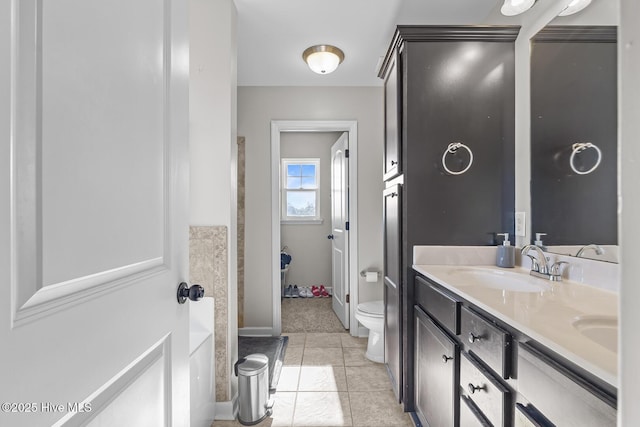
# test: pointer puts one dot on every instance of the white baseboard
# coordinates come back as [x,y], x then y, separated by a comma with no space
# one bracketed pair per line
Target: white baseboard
[227,410]
[362,332]
[260,331]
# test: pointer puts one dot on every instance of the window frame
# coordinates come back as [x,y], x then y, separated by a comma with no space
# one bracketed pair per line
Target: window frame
[285,218]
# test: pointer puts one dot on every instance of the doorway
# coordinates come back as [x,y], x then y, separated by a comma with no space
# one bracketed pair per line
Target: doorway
[351,277]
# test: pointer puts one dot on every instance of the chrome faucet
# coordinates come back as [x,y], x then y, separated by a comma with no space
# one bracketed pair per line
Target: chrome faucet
[597,248]
[540,266]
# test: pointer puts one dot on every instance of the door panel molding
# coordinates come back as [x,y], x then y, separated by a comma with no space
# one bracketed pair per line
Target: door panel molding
[33,298]
[156,358]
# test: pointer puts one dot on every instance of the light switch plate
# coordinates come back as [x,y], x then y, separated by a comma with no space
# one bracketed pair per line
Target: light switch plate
[520,224]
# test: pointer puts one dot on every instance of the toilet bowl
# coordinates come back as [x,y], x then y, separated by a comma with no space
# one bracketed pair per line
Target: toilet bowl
[371,315]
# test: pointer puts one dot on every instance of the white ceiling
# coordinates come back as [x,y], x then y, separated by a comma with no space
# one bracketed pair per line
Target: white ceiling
[272,34]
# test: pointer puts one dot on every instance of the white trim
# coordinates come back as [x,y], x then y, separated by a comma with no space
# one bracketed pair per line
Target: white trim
[259,331]
[228,410]
[278,126]
[302,221]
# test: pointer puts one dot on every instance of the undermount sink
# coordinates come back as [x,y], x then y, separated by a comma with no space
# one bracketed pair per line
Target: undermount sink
[499,279]
[602,330]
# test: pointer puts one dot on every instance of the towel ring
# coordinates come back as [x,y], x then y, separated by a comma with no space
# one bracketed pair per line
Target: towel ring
[581,146]
[452,148]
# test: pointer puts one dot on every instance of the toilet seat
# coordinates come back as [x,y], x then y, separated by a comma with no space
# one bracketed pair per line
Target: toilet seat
[372,308]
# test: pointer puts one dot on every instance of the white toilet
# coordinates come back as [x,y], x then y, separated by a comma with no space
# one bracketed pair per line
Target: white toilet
[371,315]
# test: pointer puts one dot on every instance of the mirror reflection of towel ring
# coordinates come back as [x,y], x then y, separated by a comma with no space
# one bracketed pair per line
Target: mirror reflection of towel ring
[452,148]
[581,146]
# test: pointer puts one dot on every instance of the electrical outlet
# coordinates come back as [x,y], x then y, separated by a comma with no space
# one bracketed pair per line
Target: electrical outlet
[520,224]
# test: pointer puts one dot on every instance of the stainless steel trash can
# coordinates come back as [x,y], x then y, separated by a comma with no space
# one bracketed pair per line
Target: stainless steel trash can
[253,388]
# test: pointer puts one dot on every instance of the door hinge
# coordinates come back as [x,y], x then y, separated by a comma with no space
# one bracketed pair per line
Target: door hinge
[347,299]
[346,153]
[346,226]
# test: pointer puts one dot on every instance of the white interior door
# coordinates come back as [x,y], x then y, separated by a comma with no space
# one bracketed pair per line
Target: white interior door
[93,224]
[339,233]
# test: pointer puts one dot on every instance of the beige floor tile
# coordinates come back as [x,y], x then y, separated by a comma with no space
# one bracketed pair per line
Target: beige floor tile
[328,409]
[283,409]
[293,356]
[354,356]
[368,378]
[324,340]
[309,315]
[322,378]
[224,423]
[288,380]
[349,341]
[322,357]
[378,408]
[282,415]
[296,340]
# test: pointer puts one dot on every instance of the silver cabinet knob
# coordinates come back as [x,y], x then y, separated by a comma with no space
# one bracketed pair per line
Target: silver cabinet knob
[474,338]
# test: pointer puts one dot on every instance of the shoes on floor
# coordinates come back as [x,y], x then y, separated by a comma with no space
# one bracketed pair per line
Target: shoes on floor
[305,292]
[315,291]
[288,291]
[323,292]
[295,292]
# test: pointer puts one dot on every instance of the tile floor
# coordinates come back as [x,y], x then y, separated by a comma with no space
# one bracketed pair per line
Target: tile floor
[309,315]
[327,381]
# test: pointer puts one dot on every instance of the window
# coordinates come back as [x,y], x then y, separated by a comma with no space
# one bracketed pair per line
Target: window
[301,190]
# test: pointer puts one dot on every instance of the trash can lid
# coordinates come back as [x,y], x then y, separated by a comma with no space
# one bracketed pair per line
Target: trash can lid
[252,364]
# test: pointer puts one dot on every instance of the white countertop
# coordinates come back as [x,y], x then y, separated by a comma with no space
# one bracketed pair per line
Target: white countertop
[546,316]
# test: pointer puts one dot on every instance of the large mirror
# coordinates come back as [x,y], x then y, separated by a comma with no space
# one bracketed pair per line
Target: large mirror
[574,197]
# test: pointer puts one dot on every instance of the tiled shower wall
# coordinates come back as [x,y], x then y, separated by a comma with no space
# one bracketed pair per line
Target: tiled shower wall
[241,204]
[208,264]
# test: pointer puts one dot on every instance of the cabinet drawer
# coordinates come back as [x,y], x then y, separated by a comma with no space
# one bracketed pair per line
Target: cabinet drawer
[470,415]
[491,343]
[527,416]
[489,395]
[559,395]
[441,306]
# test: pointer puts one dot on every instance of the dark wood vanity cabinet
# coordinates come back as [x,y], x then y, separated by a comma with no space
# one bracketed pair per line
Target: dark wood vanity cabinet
[436,373]
[443,85]
[496,376]
[392,126]
[392,267]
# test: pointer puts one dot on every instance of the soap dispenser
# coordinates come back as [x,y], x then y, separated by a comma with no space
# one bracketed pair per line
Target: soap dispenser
[506,255]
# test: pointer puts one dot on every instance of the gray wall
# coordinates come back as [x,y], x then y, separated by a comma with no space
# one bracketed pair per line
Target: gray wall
[257,106]
[307,243]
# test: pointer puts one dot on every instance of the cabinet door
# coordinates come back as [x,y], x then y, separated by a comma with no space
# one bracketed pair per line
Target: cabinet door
[392,285]
[436,373]
[392,128]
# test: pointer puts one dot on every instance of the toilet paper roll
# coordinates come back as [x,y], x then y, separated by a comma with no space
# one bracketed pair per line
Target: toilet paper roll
[371,276]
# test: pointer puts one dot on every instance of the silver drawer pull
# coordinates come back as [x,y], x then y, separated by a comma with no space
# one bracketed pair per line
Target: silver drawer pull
[474,338]
[446,358]
[472,388]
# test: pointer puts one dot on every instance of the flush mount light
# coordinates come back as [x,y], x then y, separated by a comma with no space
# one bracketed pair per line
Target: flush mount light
[516,7]
[323,58]
[574,7]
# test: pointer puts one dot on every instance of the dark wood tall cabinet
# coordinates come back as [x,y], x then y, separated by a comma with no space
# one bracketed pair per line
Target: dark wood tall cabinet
[443,85]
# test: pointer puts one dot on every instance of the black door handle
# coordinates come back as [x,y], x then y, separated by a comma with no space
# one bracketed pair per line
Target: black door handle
[194,293]
[330,237]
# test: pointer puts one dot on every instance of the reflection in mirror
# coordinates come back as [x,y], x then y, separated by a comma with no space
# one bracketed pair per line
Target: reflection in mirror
[574,140]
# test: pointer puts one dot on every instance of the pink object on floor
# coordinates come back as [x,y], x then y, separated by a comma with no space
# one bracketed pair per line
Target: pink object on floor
[315,291]
[323,292]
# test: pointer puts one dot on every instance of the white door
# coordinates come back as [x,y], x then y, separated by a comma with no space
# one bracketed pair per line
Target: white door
[93,224]
[339,233]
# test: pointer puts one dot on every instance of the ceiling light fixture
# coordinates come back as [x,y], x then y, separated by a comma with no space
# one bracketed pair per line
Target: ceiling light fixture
[516,7]
[574,7]
[323,58]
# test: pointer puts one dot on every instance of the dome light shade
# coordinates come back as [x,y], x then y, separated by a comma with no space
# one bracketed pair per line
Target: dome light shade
[516,7]
[574,7]
[323,59]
